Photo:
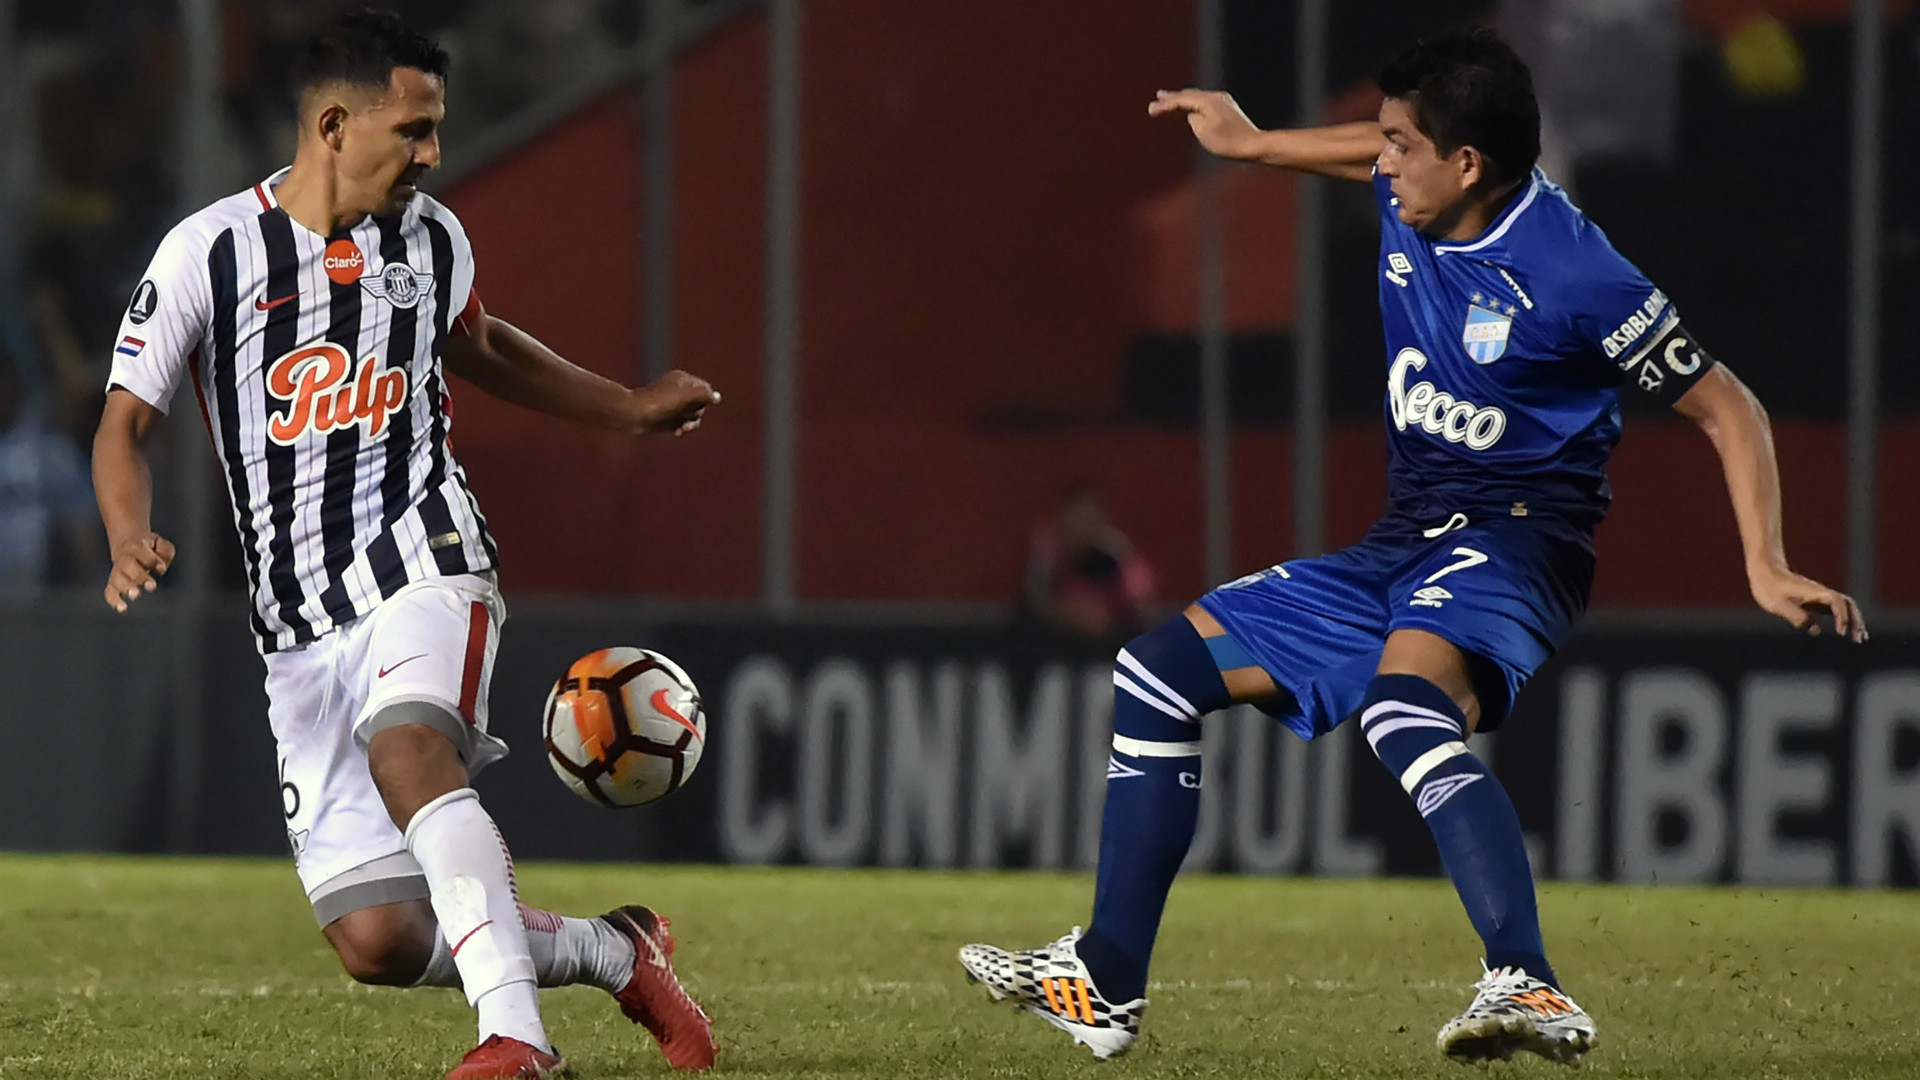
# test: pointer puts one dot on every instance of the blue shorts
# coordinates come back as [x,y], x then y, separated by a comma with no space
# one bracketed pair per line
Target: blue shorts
[1504,589]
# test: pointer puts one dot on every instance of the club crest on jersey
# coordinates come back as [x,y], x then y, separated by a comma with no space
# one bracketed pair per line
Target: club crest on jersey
[1486,334]
[399,284]
[324,392]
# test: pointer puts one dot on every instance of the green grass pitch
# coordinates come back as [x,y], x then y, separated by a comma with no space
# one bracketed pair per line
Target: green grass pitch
[134,968]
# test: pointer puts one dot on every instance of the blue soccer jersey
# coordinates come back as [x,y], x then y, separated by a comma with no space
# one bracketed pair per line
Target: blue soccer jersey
[1504,355]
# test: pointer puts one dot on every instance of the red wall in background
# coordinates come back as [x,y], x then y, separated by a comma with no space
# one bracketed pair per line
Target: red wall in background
[975,179]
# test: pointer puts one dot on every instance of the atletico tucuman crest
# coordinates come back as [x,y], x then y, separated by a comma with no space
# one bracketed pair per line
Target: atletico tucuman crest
[1486,334]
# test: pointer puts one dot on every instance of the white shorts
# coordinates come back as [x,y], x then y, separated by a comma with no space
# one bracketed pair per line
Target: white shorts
[430,643]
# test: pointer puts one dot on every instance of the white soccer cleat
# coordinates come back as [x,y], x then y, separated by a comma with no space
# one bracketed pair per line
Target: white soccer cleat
[1514,1011]
[1051,983]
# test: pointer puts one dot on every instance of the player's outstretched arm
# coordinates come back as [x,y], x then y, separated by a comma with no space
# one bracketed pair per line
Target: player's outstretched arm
[1343,151]
[1732,417]
[510,364]
[123,486]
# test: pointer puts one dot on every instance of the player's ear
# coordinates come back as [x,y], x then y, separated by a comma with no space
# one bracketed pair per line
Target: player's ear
[1472,166]
[331,124]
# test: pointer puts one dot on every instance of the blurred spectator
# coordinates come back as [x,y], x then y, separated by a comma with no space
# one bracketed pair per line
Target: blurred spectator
[1083,573]
[48,532]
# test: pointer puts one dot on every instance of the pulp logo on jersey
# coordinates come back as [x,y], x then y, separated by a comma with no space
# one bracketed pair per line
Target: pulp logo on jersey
[343,262]
[314,380]
[399,284]
[1436,411]
[1637,324]
[146,300]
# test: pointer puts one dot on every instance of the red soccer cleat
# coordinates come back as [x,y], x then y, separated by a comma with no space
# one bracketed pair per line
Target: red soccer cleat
[501,1058]
[654,997]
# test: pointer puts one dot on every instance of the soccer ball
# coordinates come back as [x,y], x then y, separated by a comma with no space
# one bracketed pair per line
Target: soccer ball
[624,727]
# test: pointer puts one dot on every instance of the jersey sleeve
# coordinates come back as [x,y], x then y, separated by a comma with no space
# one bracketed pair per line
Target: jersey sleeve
[164,321]
[463,300]
[1617,314]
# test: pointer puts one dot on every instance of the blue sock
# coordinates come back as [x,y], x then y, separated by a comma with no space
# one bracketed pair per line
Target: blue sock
[1417,732]
[1164,681]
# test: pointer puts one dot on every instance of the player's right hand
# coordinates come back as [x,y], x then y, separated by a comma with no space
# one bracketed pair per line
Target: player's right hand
[1216,119]
[138,562]
[674,403]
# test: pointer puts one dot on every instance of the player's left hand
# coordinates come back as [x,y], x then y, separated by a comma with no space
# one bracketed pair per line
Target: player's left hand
[1216,119]
[1801,601]
[673,403]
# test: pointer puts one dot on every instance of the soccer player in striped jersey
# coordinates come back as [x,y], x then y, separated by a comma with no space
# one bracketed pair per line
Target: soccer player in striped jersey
[1510,324]
[316,316]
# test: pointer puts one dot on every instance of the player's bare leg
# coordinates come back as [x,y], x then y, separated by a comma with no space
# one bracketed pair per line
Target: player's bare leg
[1419,709]
[387,944]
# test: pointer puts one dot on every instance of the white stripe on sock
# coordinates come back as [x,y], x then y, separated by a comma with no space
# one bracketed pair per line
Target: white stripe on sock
[1133,688]
[1142,748]
[1402,723]
[1397,707]
[1127,661]
[1427,762]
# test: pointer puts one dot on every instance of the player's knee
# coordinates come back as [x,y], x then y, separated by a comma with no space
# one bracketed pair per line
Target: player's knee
[1170,670]
[1413,727]
[381,948]
[413,764]
[1435,660]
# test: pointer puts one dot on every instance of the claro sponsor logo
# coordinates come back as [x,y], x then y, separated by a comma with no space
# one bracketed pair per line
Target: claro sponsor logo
[324,392]
[1436,411]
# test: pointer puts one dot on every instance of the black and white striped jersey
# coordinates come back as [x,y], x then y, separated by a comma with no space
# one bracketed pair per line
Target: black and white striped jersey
[316,362]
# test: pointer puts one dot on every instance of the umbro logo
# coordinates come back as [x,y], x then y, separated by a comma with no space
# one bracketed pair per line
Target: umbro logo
[1435,794]
[1117,771]
[1398,267]
[1431,596]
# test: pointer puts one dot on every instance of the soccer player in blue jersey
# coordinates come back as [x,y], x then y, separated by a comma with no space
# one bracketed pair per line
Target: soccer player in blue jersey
[1511,323]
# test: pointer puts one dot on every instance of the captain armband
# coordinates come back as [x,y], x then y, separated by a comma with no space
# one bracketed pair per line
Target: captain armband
[1669,365]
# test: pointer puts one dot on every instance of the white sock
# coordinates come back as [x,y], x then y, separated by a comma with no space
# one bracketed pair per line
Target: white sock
[470,883]
[566,952]
[569,951]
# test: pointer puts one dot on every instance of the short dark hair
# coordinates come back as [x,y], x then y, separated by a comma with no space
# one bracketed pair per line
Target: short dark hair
[1471,89]
[362,49]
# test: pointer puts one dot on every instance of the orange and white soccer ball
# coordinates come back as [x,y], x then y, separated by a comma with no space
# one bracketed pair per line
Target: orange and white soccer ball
[624,727]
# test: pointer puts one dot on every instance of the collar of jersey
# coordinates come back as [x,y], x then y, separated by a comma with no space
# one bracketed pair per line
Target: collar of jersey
[1501,224]
[268,185]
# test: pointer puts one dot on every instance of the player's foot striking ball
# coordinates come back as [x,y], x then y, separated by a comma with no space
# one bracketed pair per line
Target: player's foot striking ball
[318,314]
[1511,323]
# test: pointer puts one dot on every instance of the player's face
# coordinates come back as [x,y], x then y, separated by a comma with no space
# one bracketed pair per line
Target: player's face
[1434,191]
[390,140]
